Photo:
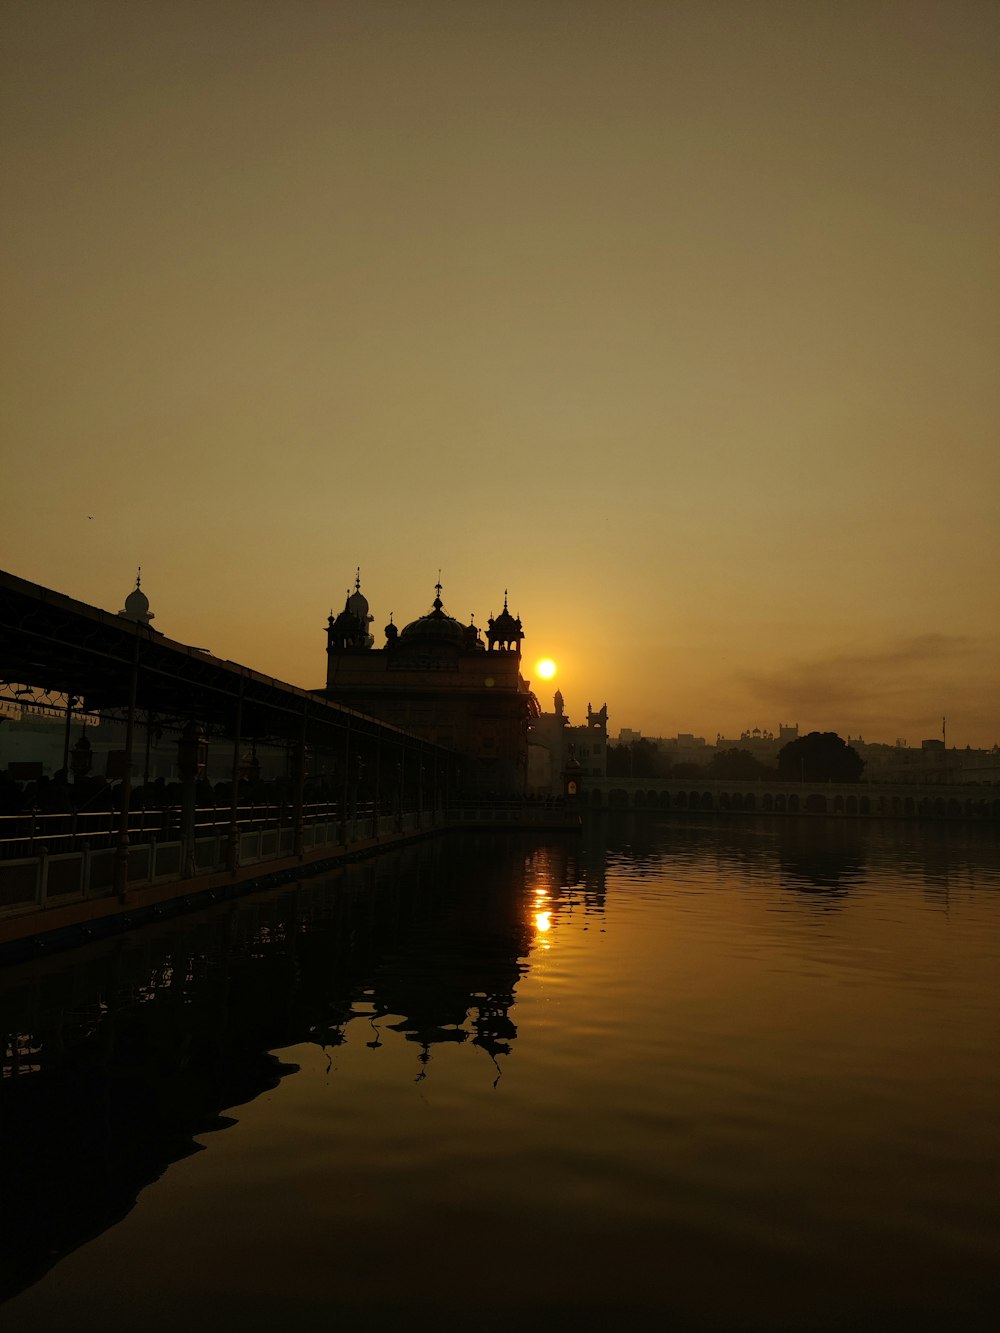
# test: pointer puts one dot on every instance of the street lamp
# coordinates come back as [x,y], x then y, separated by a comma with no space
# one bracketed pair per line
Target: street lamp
[71,701]
[81,759]
[192,757]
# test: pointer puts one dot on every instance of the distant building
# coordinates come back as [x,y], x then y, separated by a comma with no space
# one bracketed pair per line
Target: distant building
[762,744]
[553,741]
[437,679]
[930,763]
[684,748]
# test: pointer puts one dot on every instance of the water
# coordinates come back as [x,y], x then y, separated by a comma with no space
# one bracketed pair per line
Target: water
[718,1076]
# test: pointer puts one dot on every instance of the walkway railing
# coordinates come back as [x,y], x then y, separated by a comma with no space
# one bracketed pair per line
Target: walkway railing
[24,834]
[68,867]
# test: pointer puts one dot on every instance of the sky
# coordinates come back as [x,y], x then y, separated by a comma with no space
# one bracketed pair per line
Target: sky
[680,320]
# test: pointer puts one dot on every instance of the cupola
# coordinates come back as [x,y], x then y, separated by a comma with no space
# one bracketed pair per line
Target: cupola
[137,603]
[505,630]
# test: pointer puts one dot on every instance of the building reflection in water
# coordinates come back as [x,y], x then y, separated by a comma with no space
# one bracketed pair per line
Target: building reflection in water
[803,855]
[116,1056]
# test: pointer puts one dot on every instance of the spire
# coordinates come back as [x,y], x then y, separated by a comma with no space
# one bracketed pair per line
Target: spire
[357,579]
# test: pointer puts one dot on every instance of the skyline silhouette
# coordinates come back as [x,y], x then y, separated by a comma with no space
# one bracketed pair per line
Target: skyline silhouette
[678,321]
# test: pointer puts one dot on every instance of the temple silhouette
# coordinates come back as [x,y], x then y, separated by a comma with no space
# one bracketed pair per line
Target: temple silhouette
[437,679]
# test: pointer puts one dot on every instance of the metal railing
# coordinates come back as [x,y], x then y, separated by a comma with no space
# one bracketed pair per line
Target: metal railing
[23,834]
[47,877]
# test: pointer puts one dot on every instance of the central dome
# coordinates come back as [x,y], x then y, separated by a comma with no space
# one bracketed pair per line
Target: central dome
[435,627]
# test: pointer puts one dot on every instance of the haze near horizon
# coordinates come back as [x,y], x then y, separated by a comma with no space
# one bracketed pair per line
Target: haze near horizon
[678,320]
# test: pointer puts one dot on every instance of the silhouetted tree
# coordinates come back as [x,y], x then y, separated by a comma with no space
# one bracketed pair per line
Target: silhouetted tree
[821,756]
[687,770]
[640,759]
[736,764]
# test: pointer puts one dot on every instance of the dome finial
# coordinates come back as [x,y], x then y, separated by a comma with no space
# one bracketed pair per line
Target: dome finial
[438,604]
[138,576]
[357,579]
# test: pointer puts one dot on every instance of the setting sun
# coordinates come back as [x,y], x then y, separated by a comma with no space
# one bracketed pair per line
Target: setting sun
[546,668]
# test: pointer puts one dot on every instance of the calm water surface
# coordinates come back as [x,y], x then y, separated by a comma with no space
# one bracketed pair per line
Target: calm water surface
[718,1076]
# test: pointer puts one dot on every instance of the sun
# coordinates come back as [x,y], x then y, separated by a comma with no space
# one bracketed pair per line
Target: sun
[546,668]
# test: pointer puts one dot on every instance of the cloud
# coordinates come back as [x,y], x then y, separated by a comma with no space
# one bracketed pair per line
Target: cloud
[905,679]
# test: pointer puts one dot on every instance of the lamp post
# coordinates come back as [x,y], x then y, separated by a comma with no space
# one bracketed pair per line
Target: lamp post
[120,872]
[233,833]
[378,783]
[192,752]
[81,759]
[298,803]
[71,702]
[346,795]
[359,768]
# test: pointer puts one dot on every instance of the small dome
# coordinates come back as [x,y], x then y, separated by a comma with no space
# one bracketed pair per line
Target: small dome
[350,629]
[470,638]
[137,604]
[357,604]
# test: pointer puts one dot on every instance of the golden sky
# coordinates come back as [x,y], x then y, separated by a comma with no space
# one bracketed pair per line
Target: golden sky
[678,319]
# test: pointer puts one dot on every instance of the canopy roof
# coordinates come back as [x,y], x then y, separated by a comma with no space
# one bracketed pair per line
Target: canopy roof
[60,646]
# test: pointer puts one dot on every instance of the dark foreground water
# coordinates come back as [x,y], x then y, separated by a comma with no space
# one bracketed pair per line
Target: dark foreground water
[718,1076]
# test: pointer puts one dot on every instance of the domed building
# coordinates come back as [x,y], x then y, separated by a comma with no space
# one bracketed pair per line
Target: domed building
[437,679]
